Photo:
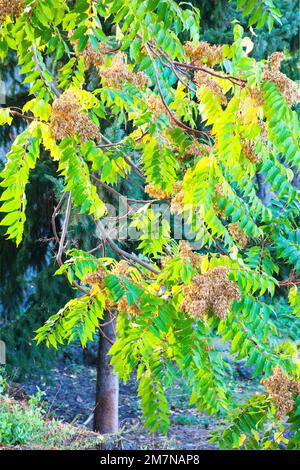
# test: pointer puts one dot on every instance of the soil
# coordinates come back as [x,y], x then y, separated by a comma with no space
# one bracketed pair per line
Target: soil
[70,396]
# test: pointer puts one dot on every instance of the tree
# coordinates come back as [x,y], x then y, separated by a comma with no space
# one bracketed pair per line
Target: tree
[199,125]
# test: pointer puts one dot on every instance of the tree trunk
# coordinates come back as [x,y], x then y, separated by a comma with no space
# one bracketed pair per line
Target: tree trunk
[106,415]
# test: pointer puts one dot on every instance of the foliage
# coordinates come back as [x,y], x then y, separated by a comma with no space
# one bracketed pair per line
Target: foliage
[216,28]
[252,427]
[200,124]
[18,424]
[26,423]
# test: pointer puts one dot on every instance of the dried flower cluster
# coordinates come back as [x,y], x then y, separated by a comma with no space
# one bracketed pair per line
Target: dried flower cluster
[219,190]
[96,278]
[92,57]
[218,211]
[123,306]
[203,52]
[275,60]
[288,88]
[256,95]
[196,149]
[185,251]
[11,8]
[264,131]
[211,291]
[156,192]
[202,79]
[238,235]
[248,150]
[219,193]
[281,390]
[155,105]
[121,268]
[68,120]
[118,72]
[177,200]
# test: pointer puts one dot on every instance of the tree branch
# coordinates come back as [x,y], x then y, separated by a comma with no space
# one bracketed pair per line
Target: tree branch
[170,113]
[61,241]
[23,116]
[121,252]
[41,71]
[135,169]
[129,199]
[64,230]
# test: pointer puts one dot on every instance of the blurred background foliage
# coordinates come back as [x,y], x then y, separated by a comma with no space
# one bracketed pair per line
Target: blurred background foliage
[29,292]
[216,27]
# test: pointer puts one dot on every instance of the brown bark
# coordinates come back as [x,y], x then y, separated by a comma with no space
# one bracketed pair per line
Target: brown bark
[106,416]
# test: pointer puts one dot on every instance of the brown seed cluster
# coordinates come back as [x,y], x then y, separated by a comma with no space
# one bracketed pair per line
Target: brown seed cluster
[248,150]
[156,192]
[68,120]
[92,57]
[12,8]
[281,390]
[211,291]
[219,193]
[121,268]
[177,204]
[219,190]
[203,79]
[264,131]
[118,72]
[289,89]
[238,235]
[256,95]
[275,60]
[185,251]
[203,52]
[219,212]
[196,149]
[155,105]
[96,278]
[123,306]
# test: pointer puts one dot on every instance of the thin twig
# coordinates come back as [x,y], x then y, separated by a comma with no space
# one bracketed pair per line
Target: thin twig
[135,169]
[170,113]
[171,66]
[41,71]
[61,247]
[129,199]
[23,116]
[123,253]
[61,241]
[105,336]
[55,214]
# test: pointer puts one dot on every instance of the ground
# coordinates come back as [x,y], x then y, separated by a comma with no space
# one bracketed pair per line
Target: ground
[70,397]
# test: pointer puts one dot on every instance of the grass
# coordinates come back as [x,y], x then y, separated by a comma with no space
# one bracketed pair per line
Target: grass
[26,425]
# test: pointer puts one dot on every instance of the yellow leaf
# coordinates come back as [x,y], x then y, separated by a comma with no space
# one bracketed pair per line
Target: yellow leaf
[50,143]
[278,436]
[242,439]
[119,34]
[204,264]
